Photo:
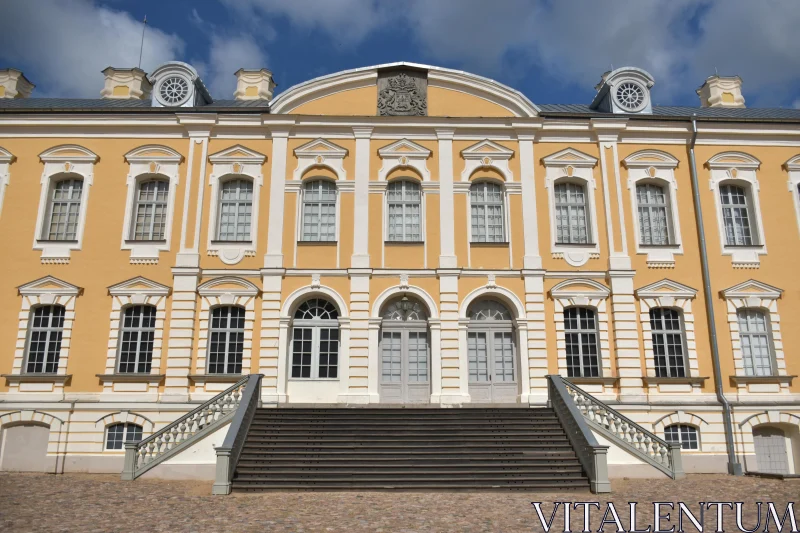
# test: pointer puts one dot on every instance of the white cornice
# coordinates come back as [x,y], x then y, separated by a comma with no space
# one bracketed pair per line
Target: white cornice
[752,288]
[38,286]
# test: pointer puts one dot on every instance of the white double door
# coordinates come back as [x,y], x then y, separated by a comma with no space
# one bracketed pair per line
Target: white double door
[492,366]
[405,365]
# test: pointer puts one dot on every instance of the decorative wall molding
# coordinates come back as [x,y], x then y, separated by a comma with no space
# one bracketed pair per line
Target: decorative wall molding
[404,154]
[320,153]
[572,165]
[231,163]
[6,158]
[487,154]
[792,166]
[63,161]
[149,161]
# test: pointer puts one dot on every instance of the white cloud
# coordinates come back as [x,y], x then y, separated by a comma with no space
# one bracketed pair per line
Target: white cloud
[680,42]
[227,55]
[65,44]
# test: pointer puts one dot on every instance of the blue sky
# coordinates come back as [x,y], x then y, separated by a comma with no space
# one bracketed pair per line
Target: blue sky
[554,51]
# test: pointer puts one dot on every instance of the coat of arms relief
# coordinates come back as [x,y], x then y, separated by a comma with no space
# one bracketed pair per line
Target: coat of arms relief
[401,94]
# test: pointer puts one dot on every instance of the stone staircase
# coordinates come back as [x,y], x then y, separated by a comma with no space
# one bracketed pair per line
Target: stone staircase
[407,449]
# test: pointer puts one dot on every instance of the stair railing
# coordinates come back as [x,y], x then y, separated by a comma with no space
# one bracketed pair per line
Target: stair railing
[626,433]
[228,454]
[592,456]
[190,428]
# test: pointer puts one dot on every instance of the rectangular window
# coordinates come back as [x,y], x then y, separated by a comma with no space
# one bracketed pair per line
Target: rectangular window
[44,343]
[754,336]
[150,214]
[736,216]
[572,221]
[486,212]
[580,332]
[65,210]
[668,348]
[478,355]
[315,352]
[682,434]
[226,340]
[319,211]
[235,210]
[404,201]
[137,338]
[653,214]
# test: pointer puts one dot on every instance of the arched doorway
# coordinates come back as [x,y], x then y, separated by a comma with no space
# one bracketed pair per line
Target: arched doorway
[770,446]
[492,353]
[405,362]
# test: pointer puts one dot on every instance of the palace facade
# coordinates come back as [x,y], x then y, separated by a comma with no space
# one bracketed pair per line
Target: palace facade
[401,234]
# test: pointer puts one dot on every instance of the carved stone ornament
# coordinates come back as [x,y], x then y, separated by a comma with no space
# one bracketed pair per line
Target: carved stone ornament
[402,94]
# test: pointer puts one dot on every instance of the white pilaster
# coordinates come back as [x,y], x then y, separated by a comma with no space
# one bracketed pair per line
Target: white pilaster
[447,255]
[269,353]
[359,386]
[532,258]
[277,184]
[180,344]
[360,257]
[626,336]
[454,371]
[536,347]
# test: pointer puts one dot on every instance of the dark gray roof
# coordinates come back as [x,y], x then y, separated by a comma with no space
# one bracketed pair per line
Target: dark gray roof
[88,105]
[110,104]
[683,112]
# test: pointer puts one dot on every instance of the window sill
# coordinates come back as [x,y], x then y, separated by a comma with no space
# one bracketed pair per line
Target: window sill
[38,378]
[404,243]
[317,243]
[215,378]
[304,380]
[489,244]
[154,379]
[747,380]
[234,243]
[652,380]
[659,246]
[56,241]
[607,382]
[144,242]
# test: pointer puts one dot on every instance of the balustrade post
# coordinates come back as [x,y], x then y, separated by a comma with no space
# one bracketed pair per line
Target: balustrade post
[130,461]
[600,482]
[677,461]
[222,482]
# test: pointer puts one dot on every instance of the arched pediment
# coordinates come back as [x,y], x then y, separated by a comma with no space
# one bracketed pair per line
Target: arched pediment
[739,160]
[588,288]
[228,285]
[792,164]
[320,153]
[487,154]
[237,153]
[404,154]
[68,153]
[450,93]
[650,158]
[155,153]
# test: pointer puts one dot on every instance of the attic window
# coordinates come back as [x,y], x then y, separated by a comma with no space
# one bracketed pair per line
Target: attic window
[630,96]
[174,90]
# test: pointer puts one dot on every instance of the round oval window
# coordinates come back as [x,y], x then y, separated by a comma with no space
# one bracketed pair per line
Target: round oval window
[630,96]
[174,90]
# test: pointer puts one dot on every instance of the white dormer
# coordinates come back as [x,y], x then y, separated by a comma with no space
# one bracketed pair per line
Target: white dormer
[625,90]
[176,84]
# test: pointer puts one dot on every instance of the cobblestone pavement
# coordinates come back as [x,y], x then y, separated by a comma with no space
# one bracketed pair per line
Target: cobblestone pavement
[100,503]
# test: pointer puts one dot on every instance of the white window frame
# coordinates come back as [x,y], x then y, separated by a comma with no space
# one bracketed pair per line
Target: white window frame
[303,202]
[566,183]
[315,325]
[224,290]
[506,236]
[60,162]
[792,166]
[657,167]
[767,333]
[680,440]
[126,426]
[44,291]
[670,294]
[737,168]
[227,330]
[581,332]
[583,293]
[125,417]
[236,162]
[6,158]
[146,163]
[136,291]
[754,294]
[571,165]
[421,203]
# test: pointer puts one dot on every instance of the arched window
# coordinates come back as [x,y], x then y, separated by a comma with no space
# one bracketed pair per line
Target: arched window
[44,339]
[319,211]
[405,352]
[136,339]
[118,434]
[491,352]
[736,216]
[63,213]
[235,210]
[226,340]
[668,342]
[150,211]
[315,340]
[583,347]
[654,216]
[487,214]
[572,214]
[686,436]
[404,206]
[756,342]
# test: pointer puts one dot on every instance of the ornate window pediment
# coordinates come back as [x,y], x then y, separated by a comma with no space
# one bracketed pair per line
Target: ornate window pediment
[752,289]
[487,154]
[49,285]
[404,154]
[6,158]
[580,291]
[139,285]
[666,287]
[320,152]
